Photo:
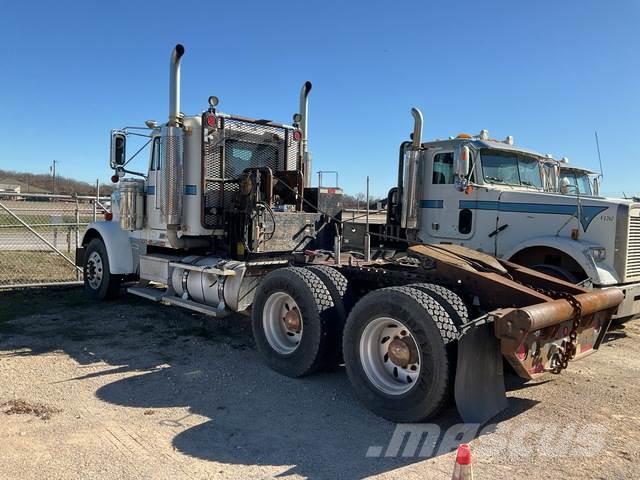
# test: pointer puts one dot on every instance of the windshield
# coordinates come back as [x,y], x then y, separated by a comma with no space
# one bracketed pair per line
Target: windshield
[577,180]
[510,168]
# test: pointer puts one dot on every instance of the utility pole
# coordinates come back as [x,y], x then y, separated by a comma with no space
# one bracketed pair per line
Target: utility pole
[53,173]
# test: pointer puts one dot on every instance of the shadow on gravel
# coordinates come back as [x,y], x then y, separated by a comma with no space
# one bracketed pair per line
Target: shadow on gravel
[616,331]
[258,417]
[255,416]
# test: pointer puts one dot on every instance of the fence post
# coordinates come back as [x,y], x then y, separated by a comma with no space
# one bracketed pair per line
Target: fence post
[95,202]
[78,228]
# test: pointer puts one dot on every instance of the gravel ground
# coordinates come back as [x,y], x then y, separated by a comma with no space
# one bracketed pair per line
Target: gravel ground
[129,389]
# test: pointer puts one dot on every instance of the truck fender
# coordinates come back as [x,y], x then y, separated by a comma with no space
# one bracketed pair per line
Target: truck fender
[599,273]
[117,244]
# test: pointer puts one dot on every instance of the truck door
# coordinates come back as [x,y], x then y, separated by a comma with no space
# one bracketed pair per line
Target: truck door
[450,215]
[442,217]
[154,218]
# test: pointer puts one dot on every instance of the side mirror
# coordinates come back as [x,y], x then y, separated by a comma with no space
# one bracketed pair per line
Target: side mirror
[596,186]
[462,161]
[118,149]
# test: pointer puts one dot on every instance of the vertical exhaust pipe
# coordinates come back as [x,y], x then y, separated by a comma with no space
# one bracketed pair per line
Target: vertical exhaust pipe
[174,85]
[172,151]
[171,185]
[304,114]
[417,128]
[410,194]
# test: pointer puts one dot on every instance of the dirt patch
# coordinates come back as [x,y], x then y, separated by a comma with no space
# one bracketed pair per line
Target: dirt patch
[150,391]
[22,407]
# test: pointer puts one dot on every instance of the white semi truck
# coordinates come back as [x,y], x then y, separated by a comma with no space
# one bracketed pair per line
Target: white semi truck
[224,221]
[504,201]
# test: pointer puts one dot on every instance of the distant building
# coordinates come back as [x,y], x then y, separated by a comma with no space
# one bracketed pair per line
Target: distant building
[8,188]
[12,185]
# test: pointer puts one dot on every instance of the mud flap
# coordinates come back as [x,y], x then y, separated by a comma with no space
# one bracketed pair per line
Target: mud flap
[479,389]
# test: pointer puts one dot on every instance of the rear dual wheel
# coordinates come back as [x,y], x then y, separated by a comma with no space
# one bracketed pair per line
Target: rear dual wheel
[397,353]
[397,342]
[291,319]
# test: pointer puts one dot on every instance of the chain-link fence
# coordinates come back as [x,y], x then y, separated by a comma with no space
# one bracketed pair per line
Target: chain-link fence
[39,235]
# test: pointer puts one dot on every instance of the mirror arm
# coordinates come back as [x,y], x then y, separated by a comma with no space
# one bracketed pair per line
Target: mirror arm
[131,172]
[127,132]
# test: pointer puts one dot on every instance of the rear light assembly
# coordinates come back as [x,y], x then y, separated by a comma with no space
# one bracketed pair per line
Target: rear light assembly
[522,352]
[211,120]
[108,216]
[297,135]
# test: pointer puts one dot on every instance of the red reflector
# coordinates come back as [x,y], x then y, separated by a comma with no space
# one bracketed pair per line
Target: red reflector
[115,178]
[463,457]
[108,216]
[297,135]
[522,352]
[331,191]
[211,121]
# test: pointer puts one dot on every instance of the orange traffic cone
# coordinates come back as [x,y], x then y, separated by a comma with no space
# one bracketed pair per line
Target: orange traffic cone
[462,469]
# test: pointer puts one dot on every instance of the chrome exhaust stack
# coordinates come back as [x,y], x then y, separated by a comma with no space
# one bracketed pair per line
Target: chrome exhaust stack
[410,194]
[417,128]
[172,153]
[304,147]
[174,85]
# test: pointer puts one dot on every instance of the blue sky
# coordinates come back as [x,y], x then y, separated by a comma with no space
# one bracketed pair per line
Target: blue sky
[547,72]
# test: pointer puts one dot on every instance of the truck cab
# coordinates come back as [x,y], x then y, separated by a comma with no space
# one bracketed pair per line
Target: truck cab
[499,198]
[578,181]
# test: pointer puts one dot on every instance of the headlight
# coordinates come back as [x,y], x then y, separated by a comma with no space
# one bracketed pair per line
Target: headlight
[598,253]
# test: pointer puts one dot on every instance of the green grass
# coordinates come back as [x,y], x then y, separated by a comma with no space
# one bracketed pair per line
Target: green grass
[40,219]
[19,267]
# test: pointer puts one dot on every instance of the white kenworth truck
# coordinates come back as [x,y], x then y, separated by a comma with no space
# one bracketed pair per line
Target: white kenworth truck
[520,205]
[224,221]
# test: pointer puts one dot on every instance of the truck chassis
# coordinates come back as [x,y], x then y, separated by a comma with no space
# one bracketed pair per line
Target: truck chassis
[411,326]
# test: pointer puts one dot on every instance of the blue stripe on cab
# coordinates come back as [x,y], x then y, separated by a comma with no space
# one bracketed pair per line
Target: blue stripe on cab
[431,203]
[151,190]
[190,190]
[589,212]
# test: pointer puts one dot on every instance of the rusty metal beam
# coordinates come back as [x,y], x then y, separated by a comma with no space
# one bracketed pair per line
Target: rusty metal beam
[540,280]
[493,289]
[514,324]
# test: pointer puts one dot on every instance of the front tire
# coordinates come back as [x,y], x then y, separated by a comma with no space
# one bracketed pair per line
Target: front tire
[395,351]
[99,282]
[557,272]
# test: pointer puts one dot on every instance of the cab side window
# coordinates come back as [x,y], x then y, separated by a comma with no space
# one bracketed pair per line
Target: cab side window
[155,156]
[443,169]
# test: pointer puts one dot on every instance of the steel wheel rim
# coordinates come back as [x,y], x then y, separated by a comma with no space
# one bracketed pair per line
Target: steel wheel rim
[382,372]
[281,337]
[95,270]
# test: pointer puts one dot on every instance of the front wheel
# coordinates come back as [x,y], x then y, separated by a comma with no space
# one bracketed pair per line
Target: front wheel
[99,282]
[557,272]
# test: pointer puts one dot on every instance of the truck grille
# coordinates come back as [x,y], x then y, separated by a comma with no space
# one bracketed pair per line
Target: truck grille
[633,249]
[238,144]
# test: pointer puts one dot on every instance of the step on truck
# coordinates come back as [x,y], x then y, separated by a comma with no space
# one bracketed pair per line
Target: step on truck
[225,220]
